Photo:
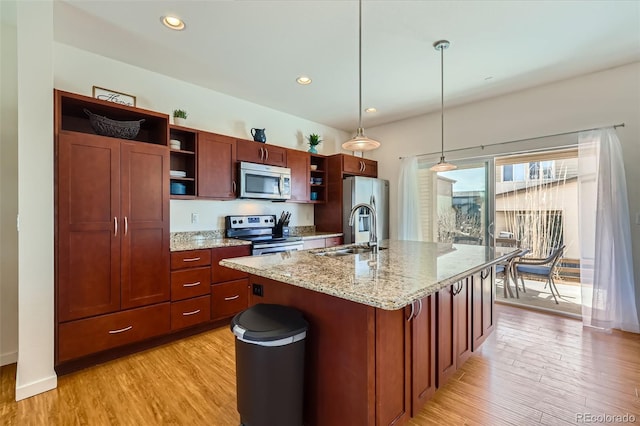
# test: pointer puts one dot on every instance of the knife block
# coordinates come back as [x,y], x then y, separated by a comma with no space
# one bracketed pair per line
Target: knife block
[281,231]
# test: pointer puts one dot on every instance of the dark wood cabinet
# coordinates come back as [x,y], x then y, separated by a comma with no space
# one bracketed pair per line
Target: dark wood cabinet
[229,287]
[113,225]
[89,225]
[216,166]
[261,153]
[423,353]
[356,166]
[318,179]
[299,163]
[454,329]
[483,298]
[145,232]
[112,228]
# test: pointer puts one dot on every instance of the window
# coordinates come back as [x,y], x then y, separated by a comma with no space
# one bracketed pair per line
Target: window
[513,172]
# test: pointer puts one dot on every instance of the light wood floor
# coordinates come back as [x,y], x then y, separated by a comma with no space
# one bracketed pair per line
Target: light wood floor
[534,369]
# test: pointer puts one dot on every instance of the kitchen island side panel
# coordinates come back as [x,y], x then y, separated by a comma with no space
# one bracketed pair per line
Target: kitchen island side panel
[339,354]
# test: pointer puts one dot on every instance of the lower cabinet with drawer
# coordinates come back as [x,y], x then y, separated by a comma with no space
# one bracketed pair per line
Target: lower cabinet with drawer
[229,288]
[190,277]
[91,335]
[186,313]
[227,299]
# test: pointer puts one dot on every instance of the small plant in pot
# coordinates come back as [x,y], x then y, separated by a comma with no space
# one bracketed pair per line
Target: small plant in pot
[314,140]
[179,117]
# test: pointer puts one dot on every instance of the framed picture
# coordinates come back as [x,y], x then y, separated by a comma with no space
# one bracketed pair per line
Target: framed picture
[113,96]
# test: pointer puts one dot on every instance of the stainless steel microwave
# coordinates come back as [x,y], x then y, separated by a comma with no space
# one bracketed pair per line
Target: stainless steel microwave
[265,182]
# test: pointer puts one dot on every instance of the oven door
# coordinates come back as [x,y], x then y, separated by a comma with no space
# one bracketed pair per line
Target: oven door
[264,182]
[268,249]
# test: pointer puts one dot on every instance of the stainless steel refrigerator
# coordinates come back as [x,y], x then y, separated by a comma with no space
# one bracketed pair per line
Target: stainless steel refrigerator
[372,191]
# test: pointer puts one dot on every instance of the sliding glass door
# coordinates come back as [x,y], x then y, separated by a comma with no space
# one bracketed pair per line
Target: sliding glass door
[458,205]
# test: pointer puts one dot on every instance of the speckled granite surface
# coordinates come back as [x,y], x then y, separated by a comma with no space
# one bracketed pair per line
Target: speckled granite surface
[181,241]
[393,278]
[211,239]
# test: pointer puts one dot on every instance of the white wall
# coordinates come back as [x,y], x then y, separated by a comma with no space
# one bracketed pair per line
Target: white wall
[599,99]
[8,184]
[35,372]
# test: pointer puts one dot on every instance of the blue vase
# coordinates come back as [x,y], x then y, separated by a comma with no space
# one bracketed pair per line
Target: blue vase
[313,150]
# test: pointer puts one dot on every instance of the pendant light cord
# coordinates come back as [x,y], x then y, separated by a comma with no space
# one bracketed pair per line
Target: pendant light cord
[360,64]
[442,101]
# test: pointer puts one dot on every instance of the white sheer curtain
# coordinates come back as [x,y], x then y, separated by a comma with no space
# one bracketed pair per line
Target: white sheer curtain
[409,227]
[606,265]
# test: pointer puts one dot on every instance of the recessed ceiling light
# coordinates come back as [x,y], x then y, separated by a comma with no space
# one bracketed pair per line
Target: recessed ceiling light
[304,80]
[371,110]
[173,22]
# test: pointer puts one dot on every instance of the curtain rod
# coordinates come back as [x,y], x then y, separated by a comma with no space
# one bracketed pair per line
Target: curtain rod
[513,141]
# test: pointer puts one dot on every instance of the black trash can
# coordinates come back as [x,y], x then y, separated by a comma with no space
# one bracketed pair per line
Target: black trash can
[270,365]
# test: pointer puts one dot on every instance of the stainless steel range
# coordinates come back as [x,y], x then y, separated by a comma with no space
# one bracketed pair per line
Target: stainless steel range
[264,232]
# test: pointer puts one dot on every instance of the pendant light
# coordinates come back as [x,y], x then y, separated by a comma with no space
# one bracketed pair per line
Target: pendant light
[442,165]
[360,142]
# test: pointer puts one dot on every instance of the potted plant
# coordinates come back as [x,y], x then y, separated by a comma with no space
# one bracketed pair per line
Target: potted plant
[314,140]
[179,117]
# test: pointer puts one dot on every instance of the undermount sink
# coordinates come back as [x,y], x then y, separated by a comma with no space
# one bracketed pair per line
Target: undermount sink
[346,251]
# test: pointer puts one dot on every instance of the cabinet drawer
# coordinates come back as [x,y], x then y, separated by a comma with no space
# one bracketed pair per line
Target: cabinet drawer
[190,312]
[91,335]
[220,273]
[188,283]
[190,258]
[228,299]
[333,241]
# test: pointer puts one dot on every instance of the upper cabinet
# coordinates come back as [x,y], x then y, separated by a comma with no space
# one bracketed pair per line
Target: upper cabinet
[183,144]
[359,166]
[216,166]
[76,113]
[299,163]
[261,153]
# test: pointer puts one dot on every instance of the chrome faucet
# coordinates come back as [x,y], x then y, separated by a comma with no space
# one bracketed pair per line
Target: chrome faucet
[373,233]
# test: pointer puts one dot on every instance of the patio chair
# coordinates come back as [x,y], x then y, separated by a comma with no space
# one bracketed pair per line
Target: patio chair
[539,269]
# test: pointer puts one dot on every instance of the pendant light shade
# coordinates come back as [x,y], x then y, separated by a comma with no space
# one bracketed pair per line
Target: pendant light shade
[442,165]
[360,142]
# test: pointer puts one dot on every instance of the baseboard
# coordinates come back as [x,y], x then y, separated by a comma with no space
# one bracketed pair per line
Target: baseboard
[8,358]
[34,388]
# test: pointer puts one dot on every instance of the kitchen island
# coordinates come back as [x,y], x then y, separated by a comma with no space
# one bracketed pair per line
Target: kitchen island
[385,329]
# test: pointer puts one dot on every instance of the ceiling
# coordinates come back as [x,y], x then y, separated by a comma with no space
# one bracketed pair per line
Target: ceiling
[255,49]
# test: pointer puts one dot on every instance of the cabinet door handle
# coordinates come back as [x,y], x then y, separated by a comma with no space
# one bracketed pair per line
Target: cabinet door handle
[364,166]
[266,158]
[231,298]
[419,308]
[192,259]
[115,226]
[233,186]
[186,314]
[191,284]
[413,310]
[261,154]
[122,330]
[126,226]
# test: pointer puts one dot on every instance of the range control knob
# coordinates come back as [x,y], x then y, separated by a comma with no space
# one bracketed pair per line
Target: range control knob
[240,221]
[234,222]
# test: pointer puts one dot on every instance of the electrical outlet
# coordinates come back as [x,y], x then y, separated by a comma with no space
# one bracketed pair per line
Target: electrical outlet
[257,289]
[195,218]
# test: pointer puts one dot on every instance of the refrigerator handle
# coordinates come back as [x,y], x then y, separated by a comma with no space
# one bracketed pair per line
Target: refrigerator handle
[372,201]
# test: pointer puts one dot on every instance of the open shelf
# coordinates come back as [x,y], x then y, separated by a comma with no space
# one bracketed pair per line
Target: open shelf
[318,188]
[184,159]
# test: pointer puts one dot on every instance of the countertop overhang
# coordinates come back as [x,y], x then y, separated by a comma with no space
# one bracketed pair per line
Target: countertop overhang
[391,279]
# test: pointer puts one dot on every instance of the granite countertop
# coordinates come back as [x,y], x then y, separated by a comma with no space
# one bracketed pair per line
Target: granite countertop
[317,235]
[178,244]
[391,279]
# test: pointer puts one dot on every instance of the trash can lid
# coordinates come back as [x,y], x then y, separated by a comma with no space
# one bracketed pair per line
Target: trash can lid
[266,322]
